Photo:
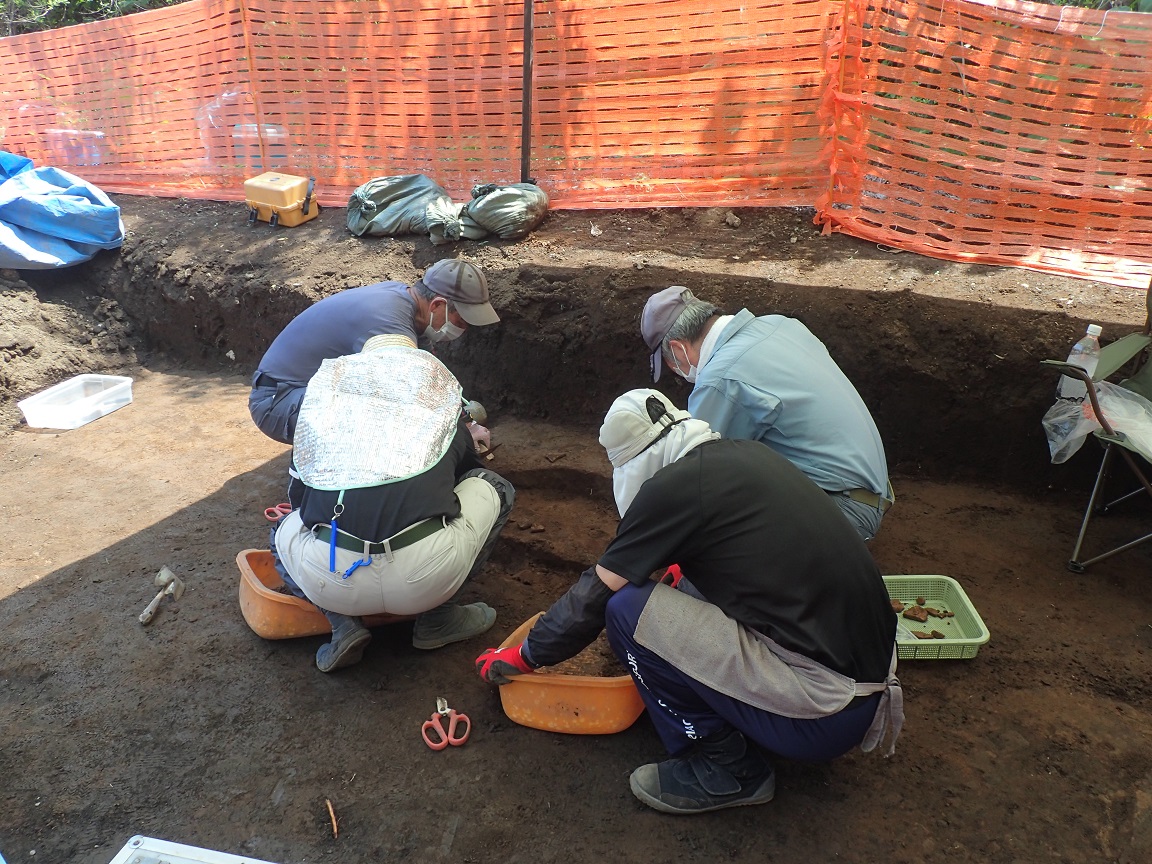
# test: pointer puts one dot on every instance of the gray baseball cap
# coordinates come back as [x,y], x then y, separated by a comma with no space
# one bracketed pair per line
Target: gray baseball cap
[660,313]
[464,284]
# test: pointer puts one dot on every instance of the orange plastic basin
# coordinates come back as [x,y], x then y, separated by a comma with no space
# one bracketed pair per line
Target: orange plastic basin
[575,704]
[282,616]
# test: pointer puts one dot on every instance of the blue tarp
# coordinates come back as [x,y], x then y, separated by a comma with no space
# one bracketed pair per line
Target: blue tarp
[50,218]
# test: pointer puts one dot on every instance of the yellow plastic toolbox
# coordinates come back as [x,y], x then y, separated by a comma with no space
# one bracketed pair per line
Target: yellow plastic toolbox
[280,199]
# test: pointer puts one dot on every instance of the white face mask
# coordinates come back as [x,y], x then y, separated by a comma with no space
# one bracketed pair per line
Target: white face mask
[690,375]
[447,333]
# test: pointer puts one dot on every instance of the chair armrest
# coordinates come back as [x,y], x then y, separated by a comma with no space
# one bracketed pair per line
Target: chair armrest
[1069,369]
[1113,357]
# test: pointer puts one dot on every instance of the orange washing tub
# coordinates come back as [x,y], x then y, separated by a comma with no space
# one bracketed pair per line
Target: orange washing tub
[575,704]
[282,616]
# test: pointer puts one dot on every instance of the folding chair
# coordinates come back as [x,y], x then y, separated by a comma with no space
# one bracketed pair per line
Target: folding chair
[1130,351]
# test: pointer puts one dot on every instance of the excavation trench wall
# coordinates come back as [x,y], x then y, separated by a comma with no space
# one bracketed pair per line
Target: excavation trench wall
[946,356]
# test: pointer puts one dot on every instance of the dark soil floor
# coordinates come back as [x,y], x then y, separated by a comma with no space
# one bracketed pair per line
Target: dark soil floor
[194,729]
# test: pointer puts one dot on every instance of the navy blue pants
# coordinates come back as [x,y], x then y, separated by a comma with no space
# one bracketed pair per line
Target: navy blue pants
[275,407]
[684,710]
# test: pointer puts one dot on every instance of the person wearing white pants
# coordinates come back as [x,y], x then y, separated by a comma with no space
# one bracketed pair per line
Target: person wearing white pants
[397,511]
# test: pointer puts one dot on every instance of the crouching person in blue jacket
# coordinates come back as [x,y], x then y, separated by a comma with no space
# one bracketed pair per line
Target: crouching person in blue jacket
[778,639]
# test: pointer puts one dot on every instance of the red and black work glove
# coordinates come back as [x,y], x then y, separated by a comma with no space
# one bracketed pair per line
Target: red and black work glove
[497,665]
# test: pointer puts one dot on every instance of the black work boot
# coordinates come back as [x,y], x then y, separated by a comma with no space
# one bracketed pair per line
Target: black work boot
[723,770]
[349,639]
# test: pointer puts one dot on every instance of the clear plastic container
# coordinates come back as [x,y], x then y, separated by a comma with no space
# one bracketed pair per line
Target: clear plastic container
[72,403]
[1085,354]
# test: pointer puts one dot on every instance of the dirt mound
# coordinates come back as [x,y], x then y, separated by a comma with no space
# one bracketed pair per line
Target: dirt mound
[56,331]
[945,355]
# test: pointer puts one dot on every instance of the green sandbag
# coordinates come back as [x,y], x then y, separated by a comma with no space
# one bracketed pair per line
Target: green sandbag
[390,206]
[510,212]
[446,223]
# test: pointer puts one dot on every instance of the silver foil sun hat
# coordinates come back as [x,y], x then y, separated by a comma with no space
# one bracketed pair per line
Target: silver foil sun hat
[377,417]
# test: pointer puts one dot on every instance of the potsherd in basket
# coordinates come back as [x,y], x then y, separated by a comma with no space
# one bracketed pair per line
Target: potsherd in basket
[963,629]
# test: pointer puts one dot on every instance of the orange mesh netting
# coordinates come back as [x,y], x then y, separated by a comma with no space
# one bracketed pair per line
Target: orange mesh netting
[675,103]
[1016,135]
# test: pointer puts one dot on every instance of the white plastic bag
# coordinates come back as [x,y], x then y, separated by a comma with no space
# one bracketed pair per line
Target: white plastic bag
[1068,422]
[1129,413]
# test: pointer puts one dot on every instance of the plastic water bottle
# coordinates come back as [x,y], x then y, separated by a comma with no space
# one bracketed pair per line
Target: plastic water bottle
[1085,354]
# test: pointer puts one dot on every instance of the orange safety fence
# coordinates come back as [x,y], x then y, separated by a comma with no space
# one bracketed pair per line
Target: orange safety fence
[1012,133]
[1002,133]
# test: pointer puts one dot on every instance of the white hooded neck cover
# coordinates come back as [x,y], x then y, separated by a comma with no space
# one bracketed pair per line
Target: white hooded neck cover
[639,446]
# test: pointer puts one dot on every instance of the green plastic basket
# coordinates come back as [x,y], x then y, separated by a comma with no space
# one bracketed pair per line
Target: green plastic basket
[964,632]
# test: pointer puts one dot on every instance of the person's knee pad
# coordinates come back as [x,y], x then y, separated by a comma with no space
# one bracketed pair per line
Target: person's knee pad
[503,488]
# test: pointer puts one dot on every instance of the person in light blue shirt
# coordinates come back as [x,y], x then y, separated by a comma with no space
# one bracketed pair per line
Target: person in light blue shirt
[770,379]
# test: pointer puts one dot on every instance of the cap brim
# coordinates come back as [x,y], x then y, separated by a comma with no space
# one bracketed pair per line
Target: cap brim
[657,363]
[477,314]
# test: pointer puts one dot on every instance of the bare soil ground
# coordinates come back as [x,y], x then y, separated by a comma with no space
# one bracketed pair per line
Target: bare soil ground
[196,730]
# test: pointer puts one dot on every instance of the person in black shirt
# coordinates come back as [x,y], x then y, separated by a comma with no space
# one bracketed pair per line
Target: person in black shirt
[776,636]
[397,512]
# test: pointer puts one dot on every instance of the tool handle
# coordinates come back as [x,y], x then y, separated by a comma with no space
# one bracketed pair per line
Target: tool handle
[308,196]
[433,733]
[456,737]
[151,608]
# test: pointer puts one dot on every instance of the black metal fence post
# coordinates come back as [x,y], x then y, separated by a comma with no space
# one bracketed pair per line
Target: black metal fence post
[526,109]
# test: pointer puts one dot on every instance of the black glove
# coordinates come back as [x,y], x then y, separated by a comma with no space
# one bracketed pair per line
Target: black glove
[573,622]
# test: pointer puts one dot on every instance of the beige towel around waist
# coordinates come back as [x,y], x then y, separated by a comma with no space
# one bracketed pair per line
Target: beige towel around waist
[701,641]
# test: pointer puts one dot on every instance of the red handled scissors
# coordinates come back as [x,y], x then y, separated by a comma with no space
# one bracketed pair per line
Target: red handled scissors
[275,514]
[434,733]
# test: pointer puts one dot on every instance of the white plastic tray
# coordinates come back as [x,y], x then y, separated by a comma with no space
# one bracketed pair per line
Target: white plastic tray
[149,850]
[72,403]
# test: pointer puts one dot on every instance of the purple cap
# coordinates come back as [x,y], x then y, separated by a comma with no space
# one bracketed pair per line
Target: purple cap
[660,313]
